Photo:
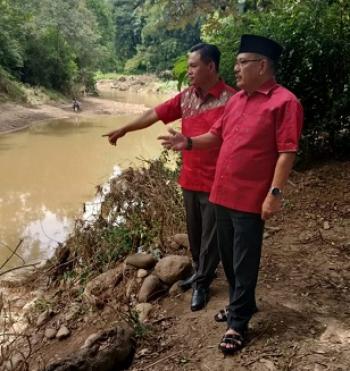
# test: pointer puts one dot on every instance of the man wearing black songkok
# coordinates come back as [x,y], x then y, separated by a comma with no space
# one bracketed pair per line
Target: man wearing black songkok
[259,133]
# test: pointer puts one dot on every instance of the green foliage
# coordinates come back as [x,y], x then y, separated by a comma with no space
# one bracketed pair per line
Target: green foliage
[180,71]
[9,87]
[141,330]
[128,26]
[145,40]
[315,64]
[56,44]
[121,242]
[11,31]
[49,61]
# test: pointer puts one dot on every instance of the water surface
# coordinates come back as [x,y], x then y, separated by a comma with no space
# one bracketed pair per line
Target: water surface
[50,170]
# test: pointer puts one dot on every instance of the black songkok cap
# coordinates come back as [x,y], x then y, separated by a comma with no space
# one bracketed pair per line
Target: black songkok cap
[260,45]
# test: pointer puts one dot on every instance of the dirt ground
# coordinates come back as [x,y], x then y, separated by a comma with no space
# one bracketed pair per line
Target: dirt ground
[303,291]
[303,321]
[15,116]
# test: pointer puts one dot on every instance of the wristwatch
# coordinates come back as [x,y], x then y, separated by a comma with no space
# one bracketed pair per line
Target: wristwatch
[276,192]
[188,144]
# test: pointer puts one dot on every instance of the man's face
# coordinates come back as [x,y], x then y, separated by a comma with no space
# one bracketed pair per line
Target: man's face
[248,70]
[198,71]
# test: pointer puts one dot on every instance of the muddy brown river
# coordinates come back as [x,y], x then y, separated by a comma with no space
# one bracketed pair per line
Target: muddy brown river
[50,170]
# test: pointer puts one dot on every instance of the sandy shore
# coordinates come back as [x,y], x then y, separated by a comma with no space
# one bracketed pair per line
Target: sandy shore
[15,117]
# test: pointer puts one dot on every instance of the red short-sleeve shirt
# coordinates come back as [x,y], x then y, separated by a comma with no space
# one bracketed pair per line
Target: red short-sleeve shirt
[254,130]
[198,115]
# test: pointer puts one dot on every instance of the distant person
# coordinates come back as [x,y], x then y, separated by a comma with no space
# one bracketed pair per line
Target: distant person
[259,133]
[199,106]
[76,105]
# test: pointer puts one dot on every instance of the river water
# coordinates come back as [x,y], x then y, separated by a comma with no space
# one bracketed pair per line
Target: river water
[50,170]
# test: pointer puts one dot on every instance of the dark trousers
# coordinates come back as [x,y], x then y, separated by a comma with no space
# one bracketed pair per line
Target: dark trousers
[240,238]
[201,229]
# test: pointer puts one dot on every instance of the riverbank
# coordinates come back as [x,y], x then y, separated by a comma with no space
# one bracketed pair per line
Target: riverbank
[74,307]
[303,290]
[16,116]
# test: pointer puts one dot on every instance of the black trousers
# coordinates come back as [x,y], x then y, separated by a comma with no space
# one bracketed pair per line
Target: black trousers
[240,239]
[201,229]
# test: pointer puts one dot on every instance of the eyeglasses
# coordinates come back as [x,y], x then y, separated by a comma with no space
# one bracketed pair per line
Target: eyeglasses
[243,62]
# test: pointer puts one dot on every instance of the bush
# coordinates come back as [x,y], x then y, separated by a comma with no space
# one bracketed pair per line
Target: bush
[315,64]
[49,62]
[10,88]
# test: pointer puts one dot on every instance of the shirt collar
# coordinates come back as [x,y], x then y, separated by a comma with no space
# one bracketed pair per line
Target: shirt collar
[267,86]
[215,90]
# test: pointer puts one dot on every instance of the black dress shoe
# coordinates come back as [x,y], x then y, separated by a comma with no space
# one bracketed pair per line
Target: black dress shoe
[200,298]
[186,284]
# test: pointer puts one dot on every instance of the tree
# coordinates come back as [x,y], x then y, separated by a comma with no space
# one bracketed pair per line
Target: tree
[128,25]
[315,64]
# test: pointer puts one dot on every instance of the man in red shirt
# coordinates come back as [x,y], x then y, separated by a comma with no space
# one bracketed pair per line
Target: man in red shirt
[199,107]
[259,133]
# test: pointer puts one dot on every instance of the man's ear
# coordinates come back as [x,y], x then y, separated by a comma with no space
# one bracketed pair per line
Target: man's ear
[211,66]
[264,65]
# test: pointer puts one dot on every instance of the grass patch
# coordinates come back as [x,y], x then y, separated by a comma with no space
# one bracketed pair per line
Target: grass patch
[10,89]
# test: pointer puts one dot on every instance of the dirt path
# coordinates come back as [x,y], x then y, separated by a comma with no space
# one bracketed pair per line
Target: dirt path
[303,321]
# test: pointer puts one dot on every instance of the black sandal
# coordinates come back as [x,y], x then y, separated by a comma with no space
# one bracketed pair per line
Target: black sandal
[236,340]
[221,315]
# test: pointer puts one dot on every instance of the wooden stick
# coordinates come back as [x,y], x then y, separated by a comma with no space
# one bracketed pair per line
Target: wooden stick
[19,267]
[160,360]
[13,253]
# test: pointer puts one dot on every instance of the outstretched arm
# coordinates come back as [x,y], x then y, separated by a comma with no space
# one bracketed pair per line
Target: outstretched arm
[145,120]
[178,142]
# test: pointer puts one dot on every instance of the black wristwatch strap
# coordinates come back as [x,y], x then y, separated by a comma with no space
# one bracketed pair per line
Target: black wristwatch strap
[189,144]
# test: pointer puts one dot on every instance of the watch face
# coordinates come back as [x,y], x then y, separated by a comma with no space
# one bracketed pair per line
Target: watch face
[276,191]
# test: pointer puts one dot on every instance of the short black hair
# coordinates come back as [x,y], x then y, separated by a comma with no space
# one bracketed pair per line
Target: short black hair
[208,53]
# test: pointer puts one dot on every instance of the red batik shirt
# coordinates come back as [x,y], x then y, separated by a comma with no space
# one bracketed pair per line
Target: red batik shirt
[198,115]
[254,130]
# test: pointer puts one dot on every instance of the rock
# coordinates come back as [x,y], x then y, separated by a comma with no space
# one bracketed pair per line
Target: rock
[143,310]
[72,312]
[44,317]
[266,365]
[17,277]
[130,288]
[28,307]
[91,340]
[50,333]
[175,289]
[111,350]
[174,245]
[326,225]
[306,236]
[266,235]
[182,239]
[173,268]
[151,286]
[36,339]
[62,333]
[17,363]
[141,260]
[142,273]
[102,284]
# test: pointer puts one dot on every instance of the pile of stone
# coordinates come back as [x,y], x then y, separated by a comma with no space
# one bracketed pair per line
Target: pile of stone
[153,277]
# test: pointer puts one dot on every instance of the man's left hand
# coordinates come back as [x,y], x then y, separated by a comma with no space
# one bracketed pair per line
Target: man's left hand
[271,206]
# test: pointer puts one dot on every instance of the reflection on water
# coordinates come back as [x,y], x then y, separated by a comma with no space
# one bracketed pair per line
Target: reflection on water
[49,171]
